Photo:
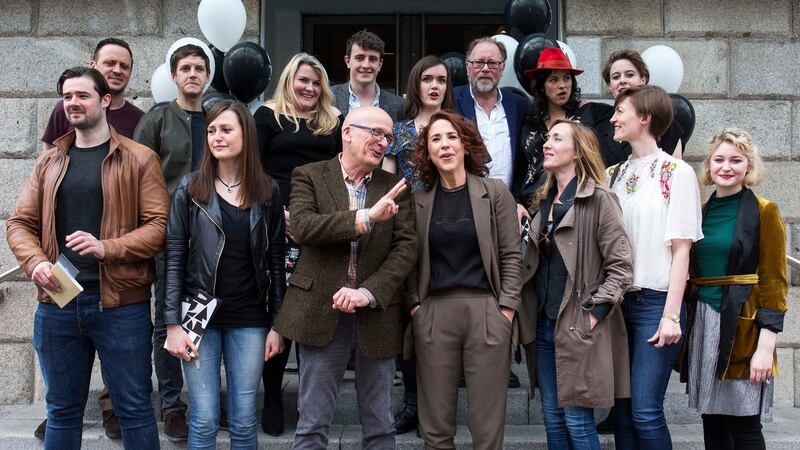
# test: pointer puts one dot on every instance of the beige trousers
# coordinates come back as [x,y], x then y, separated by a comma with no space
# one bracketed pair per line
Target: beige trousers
[463,329]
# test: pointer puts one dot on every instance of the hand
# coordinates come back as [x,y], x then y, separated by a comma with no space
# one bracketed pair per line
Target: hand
[43,277]
[414,309]
[668,333]
[347,300]
[178,341]
[592,321]
[508,313]
[84,243]
[274,345]
[761,366]
[288,227]
[386,208]
[522,213]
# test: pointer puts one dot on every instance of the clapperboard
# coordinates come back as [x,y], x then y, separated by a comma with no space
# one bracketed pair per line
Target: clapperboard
[197,312]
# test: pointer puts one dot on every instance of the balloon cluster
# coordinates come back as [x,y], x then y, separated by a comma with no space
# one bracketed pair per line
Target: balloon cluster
[238,70]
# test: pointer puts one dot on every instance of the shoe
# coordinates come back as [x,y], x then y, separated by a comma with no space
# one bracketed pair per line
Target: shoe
[223,419]
[272,419]
[175,427]
[39,432]
[607,425]
[111,425]
[406,419]
[513,380]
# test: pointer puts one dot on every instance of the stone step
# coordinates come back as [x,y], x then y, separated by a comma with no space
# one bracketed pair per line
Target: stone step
[519,410]
[18,422]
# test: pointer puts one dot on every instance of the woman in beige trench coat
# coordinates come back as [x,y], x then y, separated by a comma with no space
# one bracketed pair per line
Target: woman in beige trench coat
[576,269]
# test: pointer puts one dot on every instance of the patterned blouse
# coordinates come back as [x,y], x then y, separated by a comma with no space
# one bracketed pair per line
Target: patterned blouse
[405,133]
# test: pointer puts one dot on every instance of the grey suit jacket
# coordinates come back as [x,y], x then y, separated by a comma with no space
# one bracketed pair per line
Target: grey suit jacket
[392,104]
[495,213]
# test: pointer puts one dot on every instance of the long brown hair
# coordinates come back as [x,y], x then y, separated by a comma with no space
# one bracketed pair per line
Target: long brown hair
[413,102]
[256,185]
[474,160]
[588,163]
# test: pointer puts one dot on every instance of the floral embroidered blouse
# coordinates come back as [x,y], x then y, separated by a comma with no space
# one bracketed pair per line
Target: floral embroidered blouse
[660,201]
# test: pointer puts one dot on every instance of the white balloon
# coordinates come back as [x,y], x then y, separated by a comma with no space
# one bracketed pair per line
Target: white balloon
[665,66]
[222,22]
[162,86]
[194,41]
[509,78]
[570,54]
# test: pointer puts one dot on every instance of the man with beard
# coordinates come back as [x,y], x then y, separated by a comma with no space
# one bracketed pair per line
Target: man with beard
[98,199]
[113,58]
[499,113]
[177,134]
[364,59]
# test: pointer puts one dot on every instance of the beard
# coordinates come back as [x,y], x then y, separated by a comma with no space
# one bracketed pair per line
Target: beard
[85,122]
[484,86]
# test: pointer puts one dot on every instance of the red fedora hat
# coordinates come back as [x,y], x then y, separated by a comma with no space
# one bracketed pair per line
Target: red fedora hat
[552,59]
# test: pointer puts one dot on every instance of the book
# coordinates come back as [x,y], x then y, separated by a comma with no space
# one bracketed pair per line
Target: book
[65,272]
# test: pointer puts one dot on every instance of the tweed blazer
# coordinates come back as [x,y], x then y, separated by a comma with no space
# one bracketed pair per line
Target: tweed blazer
[324,227]
[392,104]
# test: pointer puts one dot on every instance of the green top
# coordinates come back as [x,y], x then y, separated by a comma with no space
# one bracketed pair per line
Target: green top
[712,251]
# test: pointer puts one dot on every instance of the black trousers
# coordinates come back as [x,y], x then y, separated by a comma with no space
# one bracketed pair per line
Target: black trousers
[722,432]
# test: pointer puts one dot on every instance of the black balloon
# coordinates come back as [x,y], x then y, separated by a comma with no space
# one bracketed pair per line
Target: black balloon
[455,63]
[218,82]
[683,113]
[211,98]
[159,105]
[527,55]
[524,17]
[247,70]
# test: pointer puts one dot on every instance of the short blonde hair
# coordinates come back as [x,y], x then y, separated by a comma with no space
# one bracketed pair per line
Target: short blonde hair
[744,142]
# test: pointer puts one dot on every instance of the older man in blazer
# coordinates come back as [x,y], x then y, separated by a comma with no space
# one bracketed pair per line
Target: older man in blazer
[355,225]
[364,59]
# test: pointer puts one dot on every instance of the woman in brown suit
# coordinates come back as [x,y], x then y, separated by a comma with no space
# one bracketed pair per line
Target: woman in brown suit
[466,295]
[576,270]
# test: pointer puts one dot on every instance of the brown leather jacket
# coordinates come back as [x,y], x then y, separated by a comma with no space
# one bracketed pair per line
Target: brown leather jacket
[592,365]
[135,206]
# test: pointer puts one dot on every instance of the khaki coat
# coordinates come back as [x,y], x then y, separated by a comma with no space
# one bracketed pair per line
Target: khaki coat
[592,365]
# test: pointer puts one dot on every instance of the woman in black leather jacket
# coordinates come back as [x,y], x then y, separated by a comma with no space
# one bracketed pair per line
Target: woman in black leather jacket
[225,238]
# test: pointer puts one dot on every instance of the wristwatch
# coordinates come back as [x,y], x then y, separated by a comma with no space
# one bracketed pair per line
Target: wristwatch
[673,317]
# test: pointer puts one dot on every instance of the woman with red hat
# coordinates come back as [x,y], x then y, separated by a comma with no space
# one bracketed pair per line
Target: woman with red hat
[555,96]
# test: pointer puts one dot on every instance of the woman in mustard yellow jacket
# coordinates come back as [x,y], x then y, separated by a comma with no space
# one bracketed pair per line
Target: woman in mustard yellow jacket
[737,298]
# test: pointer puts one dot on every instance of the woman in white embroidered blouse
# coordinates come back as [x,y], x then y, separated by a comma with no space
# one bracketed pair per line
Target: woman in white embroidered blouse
[660,202]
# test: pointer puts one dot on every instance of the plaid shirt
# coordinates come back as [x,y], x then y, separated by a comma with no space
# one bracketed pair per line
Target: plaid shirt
[357,194]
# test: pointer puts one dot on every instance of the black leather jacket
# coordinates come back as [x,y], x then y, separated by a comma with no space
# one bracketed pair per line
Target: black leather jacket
[195,241]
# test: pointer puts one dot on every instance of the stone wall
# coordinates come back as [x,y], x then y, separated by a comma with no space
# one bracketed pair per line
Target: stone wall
[739,58]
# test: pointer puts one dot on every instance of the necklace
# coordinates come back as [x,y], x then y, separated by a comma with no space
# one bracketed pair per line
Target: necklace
[229,186]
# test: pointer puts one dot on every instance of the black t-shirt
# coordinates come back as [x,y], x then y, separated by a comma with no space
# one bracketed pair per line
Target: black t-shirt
[198,119]
[236,277]
[283,149]
[79,207]
[460,265]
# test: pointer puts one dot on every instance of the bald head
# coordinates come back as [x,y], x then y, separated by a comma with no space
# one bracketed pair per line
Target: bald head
[359,146]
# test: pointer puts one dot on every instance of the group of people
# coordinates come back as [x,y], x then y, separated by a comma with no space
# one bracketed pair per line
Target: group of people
[448,226]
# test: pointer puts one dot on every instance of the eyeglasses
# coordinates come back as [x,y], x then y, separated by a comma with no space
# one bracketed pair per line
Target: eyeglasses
[478,65]
[377,134]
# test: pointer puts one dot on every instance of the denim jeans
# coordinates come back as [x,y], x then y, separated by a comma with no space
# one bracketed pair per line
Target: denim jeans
[168,368]
[242,350]
[567,428]
[66,340]
[640,421]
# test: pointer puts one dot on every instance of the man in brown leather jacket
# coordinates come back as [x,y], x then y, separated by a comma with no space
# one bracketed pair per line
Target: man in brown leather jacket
[100,200]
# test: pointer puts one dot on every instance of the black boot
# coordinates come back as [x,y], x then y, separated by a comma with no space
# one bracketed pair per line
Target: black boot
[406,419]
